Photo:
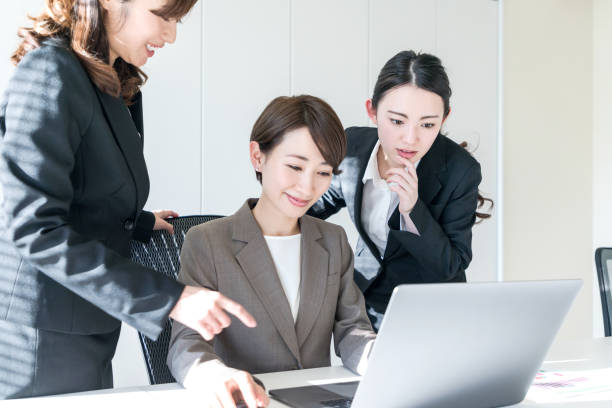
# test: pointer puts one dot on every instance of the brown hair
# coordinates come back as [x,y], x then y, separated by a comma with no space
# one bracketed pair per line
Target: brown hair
[481,199]
[81,22]
[287,113]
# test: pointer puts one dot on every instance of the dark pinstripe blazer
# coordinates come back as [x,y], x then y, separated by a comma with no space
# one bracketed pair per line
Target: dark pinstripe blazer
[74,181]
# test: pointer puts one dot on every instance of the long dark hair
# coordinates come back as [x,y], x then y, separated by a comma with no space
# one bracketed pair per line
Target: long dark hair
[81,23]
[425,71]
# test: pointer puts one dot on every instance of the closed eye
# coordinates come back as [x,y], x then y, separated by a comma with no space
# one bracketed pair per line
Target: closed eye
[325,173]
[296,168]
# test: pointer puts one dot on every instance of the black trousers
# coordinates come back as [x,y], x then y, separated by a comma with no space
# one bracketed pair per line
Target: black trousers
[35,362]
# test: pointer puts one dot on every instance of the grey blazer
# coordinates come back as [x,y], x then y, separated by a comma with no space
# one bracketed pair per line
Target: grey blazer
[74,180]
[231,255]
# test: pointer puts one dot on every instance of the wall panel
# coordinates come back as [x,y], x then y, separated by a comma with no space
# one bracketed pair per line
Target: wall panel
[246,64]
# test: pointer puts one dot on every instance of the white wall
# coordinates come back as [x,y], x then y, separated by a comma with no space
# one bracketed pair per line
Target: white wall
[335,50]
[602,140]
[548,147]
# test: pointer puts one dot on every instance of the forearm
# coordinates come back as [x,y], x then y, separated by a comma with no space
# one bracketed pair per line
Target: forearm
[191,359]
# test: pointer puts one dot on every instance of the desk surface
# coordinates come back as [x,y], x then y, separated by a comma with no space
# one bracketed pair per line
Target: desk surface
[577,355]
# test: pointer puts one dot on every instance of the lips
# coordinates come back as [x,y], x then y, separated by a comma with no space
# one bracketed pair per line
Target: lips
[406,154]
[151,49]
[297,202]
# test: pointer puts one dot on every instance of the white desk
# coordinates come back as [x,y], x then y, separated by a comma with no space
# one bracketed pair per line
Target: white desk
[579,355]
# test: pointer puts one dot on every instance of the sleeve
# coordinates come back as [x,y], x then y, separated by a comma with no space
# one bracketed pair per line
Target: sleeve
[143,227]
[353,333]
[191,359]
[331,202]
[444,248]
[45,117]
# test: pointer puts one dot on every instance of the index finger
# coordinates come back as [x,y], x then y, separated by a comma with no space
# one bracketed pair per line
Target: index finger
[409,166]
[247,389]
[237,310]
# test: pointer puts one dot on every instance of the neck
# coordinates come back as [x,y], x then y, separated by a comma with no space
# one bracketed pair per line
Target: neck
[383,165]
[112,57]
[271,221]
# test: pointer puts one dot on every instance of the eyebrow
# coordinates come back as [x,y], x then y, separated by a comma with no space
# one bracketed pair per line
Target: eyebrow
[297,156]
[406,116]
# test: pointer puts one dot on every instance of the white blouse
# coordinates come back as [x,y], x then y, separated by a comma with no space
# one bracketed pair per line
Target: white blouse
[286,251]
[378,204]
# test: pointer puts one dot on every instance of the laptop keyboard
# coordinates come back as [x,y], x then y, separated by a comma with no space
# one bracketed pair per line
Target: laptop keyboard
[337,403]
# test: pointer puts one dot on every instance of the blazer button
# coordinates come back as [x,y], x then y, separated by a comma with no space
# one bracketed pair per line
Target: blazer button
[128,225]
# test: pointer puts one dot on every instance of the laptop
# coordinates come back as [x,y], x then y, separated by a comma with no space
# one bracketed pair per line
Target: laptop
[452,345]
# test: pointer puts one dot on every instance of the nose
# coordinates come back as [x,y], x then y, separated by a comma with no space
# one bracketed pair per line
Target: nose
[306,185]
[409,136]
[169,33]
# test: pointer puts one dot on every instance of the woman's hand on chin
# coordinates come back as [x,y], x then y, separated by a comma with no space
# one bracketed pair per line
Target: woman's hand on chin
[405,183]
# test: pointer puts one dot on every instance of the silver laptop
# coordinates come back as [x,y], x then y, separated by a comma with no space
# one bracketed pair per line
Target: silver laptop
[453,345]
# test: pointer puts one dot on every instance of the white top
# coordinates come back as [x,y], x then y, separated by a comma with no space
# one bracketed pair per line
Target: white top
[286,254]
[378,205]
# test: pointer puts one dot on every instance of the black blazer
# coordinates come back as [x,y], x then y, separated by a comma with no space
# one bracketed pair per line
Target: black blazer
[444,215]
[74,180]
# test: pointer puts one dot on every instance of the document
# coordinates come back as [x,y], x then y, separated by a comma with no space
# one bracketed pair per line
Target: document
[568,386]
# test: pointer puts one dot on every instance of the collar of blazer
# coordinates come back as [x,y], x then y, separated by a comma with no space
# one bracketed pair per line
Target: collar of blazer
[127,137]
[256,261]
[430,167]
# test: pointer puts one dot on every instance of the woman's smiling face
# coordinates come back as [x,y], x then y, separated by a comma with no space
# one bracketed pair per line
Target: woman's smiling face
[294,174]
[134,30]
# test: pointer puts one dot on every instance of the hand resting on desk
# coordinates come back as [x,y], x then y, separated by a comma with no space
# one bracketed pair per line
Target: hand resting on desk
[225,387]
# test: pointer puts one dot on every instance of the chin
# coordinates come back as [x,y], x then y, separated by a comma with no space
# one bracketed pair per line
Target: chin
[294,212]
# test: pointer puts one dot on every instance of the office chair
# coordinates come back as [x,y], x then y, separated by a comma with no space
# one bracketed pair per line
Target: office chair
[603,261]
[161,253]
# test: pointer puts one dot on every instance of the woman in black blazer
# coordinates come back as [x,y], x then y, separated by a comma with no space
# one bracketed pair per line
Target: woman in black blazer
[74,183]
[411,191]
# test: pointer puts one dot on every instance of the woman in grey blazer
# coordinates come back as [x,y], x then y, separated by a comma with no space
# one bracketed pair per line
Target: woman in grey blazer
[74,183]
[292,271]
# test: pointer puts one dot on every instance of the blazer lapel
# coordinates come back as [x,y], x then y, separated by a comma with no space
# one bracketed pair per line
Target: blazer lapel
[256,262]
[359,200]
[314,271]
[431,164]
[129,141]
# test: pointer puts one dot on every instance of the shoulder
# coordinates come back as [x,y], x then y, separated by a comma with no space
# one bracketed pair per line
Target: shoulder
[55,62]
[52,78]
[333,234]
[458,159]
[360,140]
[216,229]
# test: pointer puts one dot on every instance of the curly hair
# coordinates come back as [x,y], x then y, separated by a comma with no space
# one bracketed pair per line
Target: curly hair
[81,23]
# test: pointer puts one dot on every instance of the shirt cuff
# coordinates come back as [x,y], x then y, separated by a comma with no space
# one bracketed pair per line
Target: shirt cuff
[407,225]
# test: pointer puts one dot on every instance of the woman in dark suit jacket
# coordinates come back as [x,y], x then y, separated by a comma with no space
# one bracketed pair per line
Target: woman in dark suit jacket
[74,183]
[411,191]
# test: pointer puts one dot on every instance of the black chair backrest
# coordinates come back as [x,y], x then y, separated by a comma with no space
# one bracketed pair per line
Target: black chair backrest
[161,253]
[603,261]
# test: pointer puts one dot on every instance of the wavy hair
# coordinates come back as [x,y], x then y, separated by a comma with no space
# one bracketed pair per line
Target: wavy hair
[81,24]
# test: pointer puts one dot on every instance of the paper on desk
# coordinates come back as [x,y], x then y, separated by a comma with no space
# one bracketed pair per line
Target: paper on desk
[567,386]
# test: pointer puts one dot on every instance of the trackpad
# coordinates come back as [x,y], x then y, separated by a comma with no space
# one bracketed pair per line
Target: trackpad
[312,396]
[345,389]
